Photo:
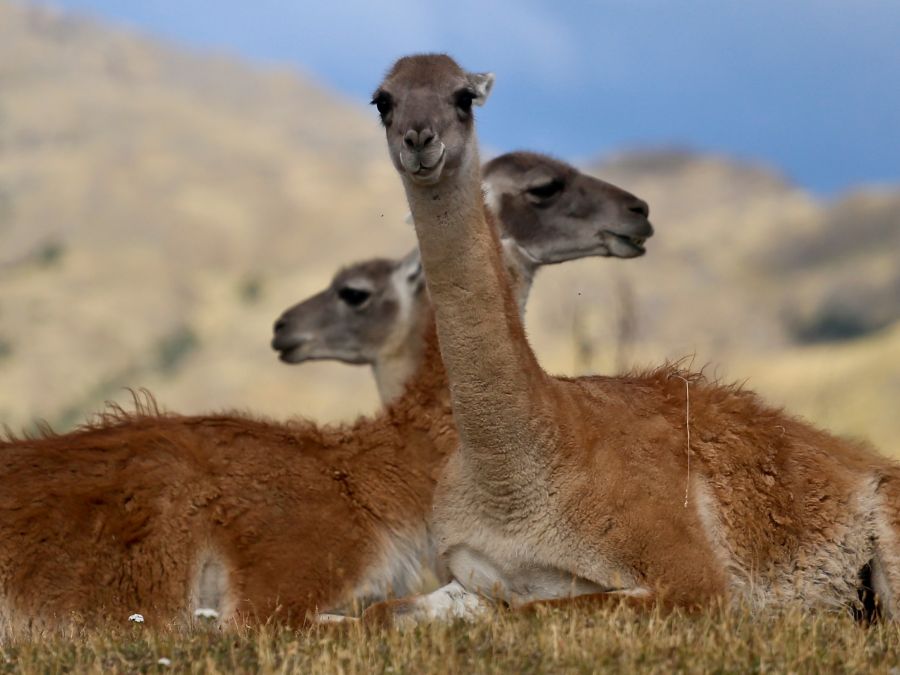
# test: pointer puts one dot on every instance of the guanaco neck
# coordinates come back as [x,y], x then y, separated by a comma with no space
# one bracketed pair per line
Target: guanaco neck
[391,373]
[491,368]
[400,360]
[521,270]
[425,394]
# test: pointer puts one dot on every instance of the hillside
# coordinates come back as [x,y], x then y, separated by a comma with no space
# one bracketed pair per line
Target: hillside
[159,208]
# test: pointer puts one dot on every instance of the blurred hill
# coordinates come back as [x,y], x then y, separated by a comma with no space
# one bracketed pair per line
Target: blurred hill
[157,211]
[159,208]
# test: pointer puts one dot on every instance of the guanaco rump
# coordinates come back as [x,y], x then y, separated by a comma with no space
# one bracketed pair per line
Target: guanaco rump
[373,312]
[166,515]
[658,485]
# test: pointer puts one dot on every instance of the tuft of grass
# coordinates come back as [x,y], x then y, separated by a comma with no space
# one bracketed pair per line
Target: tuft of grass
[575,640]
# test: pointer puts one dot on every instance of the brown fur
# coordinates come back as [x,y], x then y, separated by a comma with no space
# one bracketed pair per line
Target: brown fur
[116,517]
[564,484]
[257,518]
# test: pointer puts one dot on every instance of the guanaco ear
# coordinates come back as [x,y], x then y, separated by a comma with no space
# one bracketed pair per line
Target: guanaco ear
[482,83]
[410,268]
[491,198]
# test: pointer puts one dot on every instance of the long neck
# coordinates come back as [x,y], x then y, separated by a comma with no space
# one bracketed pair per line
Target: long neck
[425,396]
[521,269]
[491,368]
[391,375]
[396,365]
[401,359]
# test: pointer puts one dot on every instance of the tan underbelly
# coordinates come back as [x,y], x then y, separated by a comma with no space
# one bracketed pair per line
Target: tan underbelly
[517,582]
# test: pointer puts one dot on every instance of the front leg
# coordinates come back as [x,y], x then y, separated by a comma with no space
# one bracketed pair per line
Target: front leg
[449,602]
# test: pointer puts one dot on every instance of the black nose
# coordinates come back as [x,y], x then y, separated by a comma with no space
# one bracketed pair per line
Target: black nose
[640,207]
[417,140]
[281,340]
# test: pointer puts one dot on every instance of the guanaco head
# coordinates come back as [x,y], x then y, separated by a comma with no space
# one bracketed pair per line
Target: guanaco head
[370,313]
[368,309]
[556,213]
[425,103]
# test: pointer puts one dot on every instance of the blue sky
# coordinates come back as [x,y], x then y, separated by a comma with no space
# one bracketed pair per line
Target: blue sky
[809,86]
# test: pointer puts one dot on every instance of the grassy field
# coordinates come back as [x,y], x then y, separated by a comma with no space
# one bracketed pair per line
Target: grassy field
[617,640]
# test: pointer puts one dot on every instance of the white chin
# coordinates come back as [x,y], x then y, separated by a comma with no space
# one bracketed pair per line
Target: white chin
[406,164]
[428,176]
[425,178]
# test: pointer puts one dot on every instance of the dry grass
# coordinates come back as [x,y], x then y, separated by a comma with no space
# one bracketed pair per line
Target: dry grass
[558,641]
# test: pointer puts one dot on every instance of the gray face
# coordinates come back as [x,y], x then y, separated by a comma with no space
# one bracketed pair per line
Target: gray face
[551,211]
[425,104]
[556,213]
[353,318]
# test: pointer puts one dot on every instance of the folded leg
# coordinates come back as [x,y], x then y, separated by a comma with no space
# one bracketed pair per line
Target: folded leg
[449,602]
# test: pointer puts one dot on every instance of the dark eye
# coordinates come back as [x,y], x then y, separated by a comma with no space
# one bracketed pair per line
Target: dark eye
[545,191]
[354,296]
[383,103]
[464,99]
